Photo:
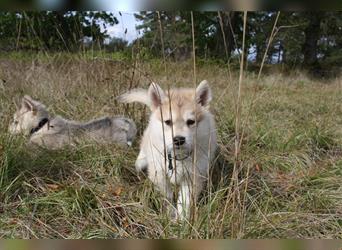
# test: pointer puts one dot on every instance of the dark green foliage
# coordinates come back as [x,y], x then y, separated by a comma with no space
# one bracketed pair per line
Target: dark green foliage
[116,44]
[310,40]
[53,30]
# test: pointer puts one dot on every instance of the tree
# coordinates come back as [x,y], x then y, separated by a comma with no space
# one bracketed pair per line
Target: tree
[177,32]
[53,30]
[116,44]
[312,34]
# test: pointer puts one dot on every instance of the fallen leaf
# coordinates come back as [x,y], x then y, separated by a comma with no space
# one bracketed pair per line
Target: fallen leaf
[52,186]
[13,221]
[125,223]
[116,191]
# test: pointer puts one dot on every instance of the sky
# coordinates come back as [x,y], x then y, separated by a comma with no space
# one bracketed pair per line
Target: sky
[126,21]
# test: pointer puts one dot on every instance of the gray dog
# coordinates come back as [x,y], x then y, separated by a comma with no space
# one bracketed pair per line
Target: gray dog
[33,119]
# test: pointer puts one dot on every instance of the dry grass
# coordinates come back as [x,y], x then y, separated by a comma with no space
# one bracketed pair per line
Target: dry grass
[291,144]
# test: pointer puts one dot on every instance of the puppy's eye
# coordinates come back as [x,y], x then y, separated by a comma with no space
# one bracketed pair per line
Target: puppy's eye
[168,122]
[16,122]
[190,122]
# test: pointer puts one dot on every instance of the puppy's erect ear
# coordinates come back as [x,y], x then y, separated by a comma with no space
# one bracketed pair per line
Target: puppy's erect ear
[203,93]
[156,95]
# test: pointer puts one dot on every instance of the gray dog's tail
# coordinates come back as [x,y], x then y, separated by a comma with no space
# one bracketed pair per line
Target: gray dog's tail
[128,126]
[131,131]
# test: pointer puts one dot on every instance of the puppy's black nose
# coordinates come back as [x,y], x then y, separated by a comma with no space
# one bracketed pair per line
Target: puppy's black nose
[179,140]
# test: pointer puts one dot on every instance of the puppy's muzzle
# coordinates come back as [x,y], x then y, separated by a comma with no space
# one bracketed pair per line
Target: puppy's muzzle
[179,140]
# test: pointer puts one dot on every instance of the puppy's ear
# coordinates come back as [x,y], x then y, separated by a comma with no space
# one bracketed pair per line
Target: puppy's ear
[156,95]
[203,93]
[28,103]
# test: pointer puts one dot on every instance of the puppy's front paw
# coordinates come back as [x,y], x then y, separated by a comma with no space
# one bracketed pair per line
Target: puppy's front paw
[141,164]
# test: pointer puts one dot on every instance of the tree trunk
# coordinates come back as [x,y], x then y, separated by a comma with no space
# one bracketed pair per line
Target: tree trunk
[259,54]
[312,35]
[228,21]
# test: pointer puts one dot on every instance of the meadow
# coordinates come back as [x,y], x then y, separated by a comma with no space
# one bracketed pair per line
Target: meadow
[286,183]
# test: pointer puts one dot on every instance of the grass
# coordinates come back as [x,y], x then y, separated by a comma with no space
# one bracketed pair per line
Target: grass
[289,183]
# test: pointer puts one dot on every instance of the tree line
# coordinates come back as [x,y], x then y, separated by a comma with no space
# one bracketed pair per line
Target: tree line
[53,30]
[310,40]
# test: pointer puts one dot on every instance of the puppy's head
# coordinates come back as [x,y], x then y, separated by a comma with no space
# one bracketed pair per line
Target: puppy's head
[182,113]
[28,116]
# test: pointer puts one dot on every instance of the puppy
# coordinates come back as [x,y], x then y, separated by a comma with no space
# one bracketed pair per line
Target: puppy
[179,141]
[33,120]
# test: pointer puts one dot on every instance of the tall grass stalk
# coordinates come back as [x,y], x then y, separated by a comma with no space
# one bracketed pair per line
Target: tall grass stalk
[225,45]
[234,192]
[268,44]
[162,42]
[193,198]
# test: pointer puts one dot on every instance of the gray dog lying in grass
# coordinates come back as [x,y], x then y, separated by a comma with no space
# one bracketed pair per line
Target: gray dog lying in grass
[33,119]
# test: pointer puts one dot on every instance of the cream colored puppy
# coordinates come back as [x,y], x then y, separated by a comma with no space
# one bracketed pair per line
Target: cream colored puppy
[179,142]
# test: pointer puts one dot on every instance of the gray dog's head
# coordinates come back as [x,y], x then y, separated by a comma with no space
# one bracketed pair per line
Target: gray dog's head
[28,116]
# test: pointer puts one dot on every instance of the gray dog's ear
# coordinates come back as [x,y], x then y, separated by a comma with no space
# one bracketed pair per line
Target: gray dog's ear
[28,103]
[156,95]
[203,93]
[15,102]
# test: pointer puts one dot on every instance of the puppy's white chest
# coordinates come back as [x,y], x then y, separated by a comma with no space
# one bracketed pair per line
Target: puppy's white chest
[179,170]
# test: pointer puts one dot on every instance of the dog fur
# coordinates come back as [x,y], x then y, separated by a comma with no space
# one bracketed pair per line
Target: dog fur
[178,113]
[33,120]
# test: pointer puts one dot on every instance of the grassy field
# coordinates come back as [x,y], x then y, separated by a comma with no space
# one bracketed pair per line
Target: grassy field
[287,183]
